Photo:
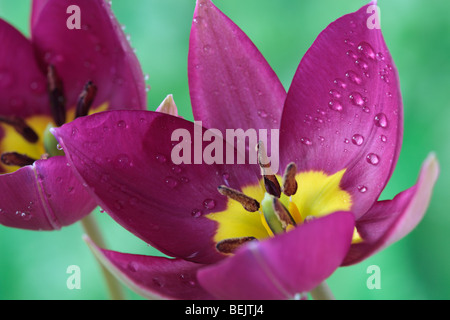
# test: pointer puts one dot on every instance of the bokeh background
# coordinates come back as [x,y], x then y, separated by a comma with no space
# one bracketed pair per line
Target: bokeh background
[33,264]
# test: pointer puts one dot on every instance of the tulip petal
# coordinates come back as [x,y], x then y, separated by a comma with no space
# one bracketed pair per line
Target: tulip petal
[389,221]
[98,52]
[23,87]
[231,84]
[153,277]
[344,109]
[285,266]
[44,196]
[141,184]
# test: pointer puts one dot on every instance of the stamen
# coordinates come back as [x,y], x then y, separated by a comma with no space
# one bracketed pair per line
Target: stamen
[16,159]
[282,213]
[21,127]
[57,99]
[231,245]
[247,202]
[289,183]
[270,180]
[85,100]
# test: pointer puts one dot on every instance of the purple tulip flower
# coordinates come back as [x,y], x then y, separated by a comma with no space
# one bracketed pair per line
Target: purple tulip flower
[70,67]
[232,233]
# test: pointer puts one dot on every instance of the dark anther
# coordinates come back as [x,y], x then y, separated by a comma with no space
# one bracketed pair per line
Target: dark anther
[57,99]
[282,213]
[16,159]
[21,127]
[289,183]
[231,245]
[270,180]
[85,100]
[247,202]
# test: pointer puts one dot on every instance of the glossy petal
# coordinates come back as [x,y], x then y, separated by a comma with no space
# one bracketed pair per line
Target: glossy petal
[45,196]
[23,87]
[284,266]
[344,109]
[138,184]
[231,84]
[99,52]
[153,277]
[389,221]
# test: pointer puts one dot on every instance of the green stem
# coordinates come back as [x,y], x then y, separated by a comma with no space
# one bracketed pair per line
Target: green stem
[322,292]
[91,228]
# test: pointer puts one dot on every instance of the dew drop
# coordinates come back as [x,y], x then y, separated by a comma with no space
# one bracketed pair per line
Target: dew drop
[171,182]
[133,266]
[340,83]
[196,213]
[262,114]
[122,160]
[383,138]
[358,139]
[373,159]
[353,77]
[306,141]
[335,105]
[121,124]
[381,120]
[161,158]
[357,99]
[334,93]
[366,49]
[209,204]
[362,189]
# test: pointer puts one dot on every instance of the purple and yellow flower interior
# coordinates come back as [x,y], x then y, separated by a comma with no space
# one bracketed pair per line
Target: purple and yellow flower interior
[258,233]
[57,75]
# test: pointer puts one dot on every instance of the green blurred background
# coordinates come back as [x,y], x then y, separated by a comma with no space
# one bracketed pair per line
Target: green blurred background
[33,264]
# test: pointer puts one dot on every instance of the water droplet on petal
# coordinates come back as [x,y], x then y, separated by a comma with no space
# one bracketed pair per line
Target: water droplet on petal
[161,158]
[366,49]
[196,213]
[340,83]
[381,120]
[335,105]
[171,182]
[362,189]
[335,94]
[357,99]
[358,139]
[209,204]
[383,138]
[306,141]
[373,159]
[353,77]
[121,124]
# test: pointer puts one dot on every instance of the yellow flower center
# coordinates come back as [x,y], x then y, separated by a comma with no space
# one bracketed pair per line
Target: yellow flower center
[317,195]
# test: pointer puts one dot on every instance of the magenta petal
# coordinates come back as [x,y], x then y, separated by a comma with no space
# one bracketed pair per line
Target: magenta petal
[23,87]
[98,51]
[389,221]
[231,84]
[125,157]
[344,109]
[45,196]
[285,266]
[153,277]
